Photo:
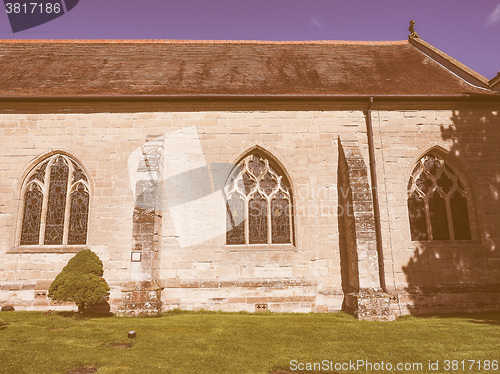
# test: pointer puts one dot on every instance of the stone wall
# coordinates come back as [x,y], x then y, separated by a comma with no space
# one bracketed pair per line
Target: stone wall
[304,142]
[440,276]
[194,267]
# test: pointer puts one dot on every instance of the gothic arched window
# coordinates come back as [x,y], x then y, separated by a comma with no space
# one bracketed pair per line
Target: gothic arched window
[55,203]
[439,201]
[259,203]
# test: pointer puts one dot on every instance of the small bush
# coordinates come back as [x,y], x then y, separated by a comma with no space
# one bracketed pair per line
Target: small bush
[81,282]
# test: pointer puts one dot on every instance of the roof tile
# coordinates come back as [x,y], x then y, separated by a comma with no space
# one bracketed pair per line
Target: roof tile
[168,67]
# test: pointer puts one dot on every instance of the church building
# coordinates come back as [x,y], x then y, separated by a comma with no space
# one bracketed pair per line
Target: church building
[307,176]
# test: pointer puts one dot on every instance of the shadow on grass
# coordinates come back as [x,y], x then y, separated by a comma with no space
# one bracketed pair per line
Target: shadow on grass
[78,316]
[99,310]
[178,312]
[340,315]
[82,370]
[486,318]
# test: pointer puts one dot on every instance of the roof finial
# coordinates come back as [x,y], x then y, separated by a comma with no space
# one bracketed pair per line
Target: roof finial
[413,33]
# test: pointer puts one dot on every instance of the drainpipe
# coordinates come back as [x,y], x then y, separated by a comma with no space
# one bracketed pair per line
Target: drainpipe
[376,207]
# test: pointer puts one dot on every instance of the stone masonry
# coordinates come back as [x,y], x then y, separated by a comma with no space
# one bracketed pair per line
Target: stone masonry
[375,154]
[143,294]
[305,276]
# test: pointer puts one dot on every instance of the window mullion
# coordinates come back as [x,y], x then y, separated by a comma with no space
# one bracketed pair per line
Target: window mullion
[45,202]
[428,218]
[67,207]
[43,218]
[19,232]
[472,223]
[290,219]
[450,218]
[269,225]
[247,218]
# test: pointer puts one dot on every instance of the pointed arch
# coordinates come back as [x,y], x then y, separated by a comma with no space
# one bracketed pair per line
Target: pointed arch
[259,201]
[440,204]
[55,197]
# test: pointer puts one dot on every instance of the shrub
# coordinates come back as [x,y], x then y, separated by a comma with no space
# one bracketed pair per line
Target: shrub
[80,281]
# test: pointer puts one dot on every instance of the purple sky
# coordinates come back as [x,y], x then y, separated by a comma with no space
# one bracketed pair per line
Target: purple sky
[467,30]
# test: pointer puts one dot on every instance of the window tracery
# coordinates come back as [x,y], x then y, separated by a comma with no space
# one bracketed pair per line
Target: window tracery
[259,203]
[55,204]
[439,202]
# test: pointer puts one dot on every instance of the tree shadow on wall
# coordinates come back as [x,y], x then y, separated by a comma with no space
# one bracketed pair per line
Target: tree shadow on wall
[450,276]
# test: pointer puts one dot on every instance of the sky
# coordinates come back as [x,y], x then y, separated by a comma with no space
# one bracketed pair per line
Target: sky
[467,30]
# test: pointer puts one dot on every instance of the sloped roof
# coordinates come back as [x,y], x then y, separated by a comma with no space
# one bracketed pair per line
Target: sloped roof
[198,68]
[495,82]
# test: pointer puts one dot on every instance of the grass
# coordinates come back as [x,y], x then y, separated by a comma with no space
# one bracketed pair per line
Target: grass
[209,342]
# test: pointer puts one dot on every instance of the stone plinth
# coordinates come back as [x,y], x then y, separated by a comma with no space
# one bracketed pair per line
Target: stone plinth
[370,305]
[141,298]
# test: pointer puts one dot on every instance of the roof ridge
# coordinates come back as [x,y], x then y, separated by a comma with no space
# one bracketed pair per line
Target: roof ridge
[455,66]
[495,80]
[207,41]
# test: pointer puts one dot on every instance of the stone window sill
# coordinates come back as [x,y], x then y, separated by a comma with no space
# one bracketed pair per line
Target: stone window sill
[446,243]
[459,242]
[47,249]
[260,247]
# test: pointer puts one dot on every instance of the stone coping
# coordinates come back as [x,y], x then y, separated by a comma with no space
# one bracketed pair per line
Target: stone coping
[46,249]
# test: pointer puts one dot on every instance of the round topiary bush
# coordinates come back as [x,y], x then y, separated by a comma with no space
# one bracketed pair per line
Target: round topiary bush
[80,281]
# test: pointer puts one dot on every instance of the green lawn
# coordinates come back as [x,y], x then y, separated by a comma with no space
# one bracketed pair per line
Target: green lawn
[204,342]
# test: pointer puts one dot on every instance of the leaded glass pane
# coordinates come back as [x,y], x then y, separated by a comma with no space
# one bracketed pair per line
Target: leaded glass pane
[424,183]
[439,219]
[235,224]
[445,182]
[57,202]
[39,174]
[418,221]
[247,183]
[33,200]
[460,216]
[268,183]
[257,219]
[256,165]
[78,218]
[280,219]
[432,164]
[78,174]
